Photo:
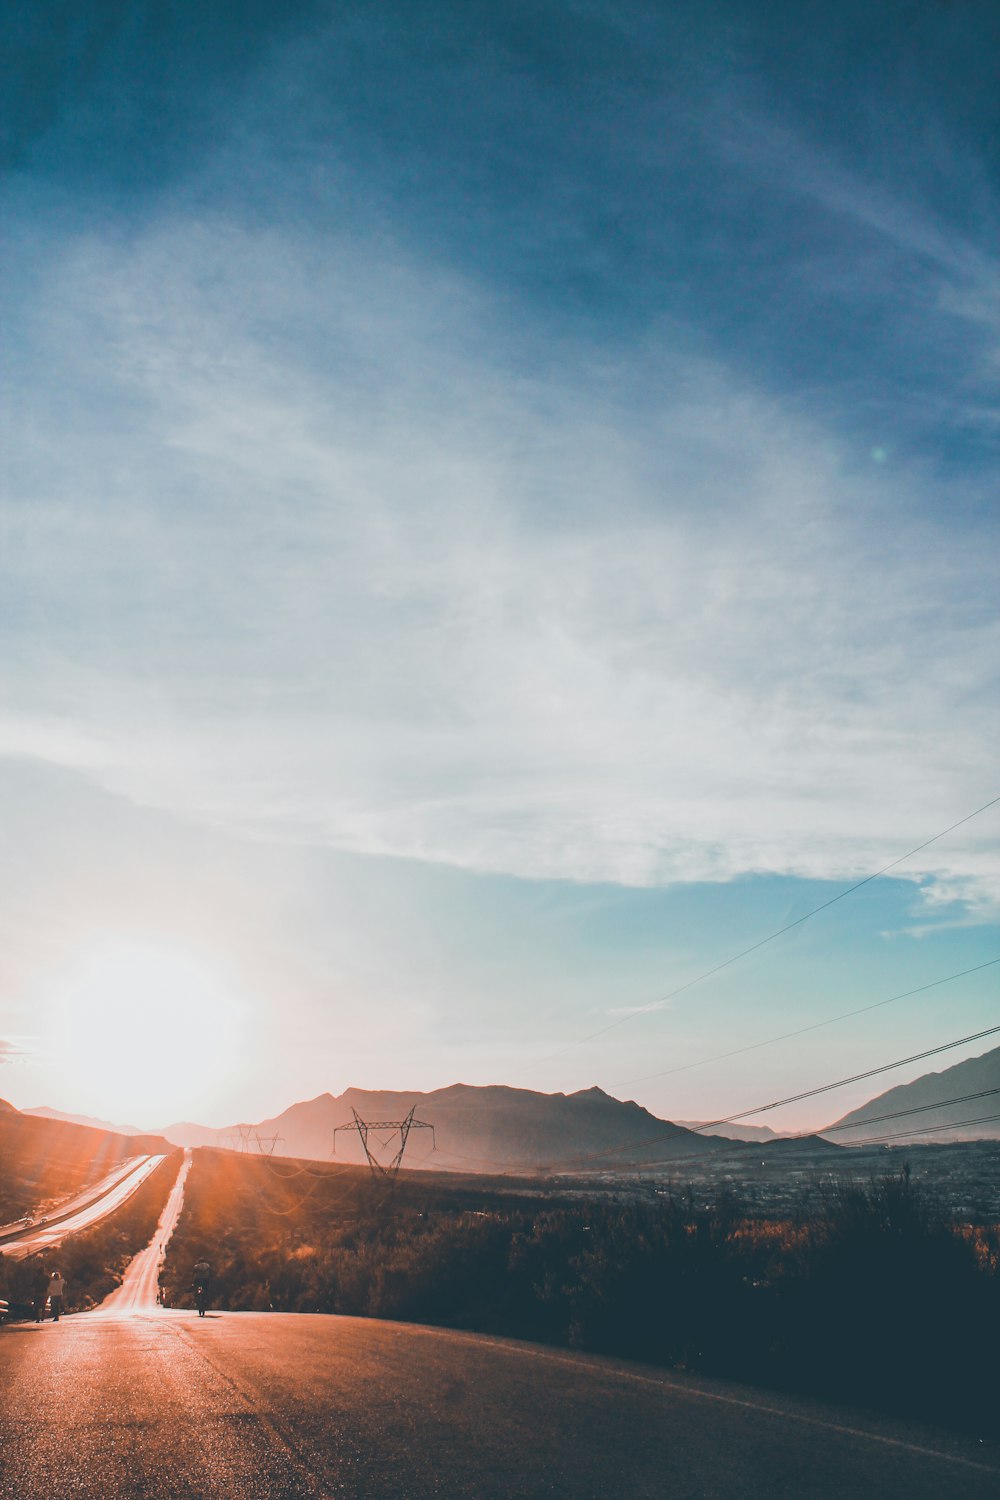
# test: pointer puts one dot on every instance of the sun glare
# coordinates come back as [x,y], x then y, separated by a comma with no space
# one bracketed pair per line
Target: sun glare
[145,1034]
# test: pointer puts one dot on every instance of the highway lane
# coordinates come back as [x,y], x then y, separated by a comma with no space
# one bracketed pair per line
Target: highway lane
[46,1236]
[17,1230]
[164,1404]
[137,1292]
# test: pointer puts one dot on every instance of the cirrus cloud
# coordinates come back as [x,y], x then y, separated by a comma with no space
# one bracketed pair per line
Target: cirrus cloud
[629,619]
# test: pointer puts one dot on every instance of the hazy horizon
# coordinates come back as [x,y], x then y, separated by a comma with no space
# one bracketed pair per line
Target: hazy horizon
[499,516]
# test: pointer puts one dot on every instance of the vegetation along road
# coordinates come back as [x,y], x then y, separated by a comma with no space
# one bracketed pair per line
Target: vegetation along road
[136,1399]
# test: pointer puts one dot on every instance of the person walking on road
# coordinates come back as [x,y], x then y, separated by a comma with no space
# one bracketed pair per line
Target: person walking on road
[39,1291]
[57,1290]
[202,1277]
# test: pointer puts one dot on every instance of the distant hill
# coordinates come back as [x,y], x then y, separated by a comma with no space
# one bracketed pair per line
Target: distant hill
[5,1105]
[973,1076]
[46,1159]
[734,1132]
[44,1113]
[797,1145]
[187,1133]
[477,1129]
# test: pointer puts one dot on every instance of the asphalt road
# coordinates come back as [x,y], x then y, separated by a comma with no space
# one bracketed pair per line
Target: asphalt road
[15,1229]
[83,1212]
[137,1292]
[164,1404]
[137,1401]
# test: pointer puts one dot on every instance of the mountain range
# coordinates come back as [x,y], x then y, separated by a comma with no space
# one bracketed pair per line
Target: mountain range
[925,1111]
[759,1133]
[46,1159]
[498,1129]
[44,1113]
[491,1129]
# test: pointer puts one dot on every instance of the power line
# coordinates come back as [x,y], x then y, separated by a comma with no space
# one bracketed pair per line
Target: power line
[826,1088]
[801,1031]
[899,1135]
[795,1098]
[917,1109]
[684,1155]
[899,1114]
[762,942]
[318,1178]
[751,1147]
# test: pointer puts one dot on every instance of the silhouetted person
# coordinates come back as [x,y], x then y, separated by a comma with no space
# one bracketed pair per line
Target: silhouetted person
[57,1290]
[202,1276]
[39,1291]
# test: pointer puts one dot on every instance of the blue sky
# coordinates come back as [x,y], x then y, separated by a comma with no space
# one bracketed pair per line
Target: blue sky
[499,511]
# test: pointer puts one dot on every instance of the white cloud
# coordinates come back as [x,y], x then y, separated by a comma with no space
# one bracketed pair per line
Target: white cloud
[298,552]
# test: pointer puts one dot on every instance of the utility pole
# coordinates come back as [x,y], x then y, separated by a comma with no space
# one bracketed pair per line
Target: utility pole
[365,1127]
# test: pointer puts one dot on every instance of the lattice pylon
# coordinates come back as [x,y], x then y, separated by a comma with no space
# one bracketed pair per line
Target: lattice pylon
[365,1128]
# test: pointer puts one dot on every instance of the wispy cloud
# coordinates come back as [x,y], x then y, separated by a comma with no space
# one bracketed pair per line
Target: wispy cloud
[930,268]
[637,623]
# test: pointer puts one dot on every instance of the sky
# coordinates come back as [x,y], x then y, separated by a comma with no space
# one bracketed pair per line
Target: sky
[499,514]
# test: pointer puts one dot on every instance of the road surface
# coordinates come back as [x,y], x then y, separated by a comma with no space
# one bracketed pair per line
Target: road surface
[252,1405]
[60,1211]
[137,1292]
[79,1200]
[135,1400]
[97,1204]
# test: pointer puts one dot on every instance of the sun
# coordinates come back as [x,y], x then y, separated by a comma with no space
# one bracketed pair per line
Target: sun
[146,1033]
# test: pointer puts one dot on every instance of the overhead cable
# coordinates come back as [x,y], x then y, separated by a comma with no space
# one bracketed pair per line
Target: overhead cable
[897,1114]
[762,942]
[899,1135]
[801,1031]
[826,1088]
[795,1098]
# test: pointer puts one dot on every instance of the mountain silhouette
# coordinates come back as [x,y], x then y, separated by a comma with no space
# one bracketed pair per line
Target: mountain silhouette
[497,1128]
[43,1112]
[973,1076]
[493,1128]
[736,1132]
[43,1159]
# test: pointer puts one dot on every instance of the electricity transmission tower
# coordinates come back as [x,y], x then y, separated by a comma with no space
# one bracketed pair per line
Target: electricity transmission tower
[241,1137]
[248,1139]
[266,1143]
[365,1127]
